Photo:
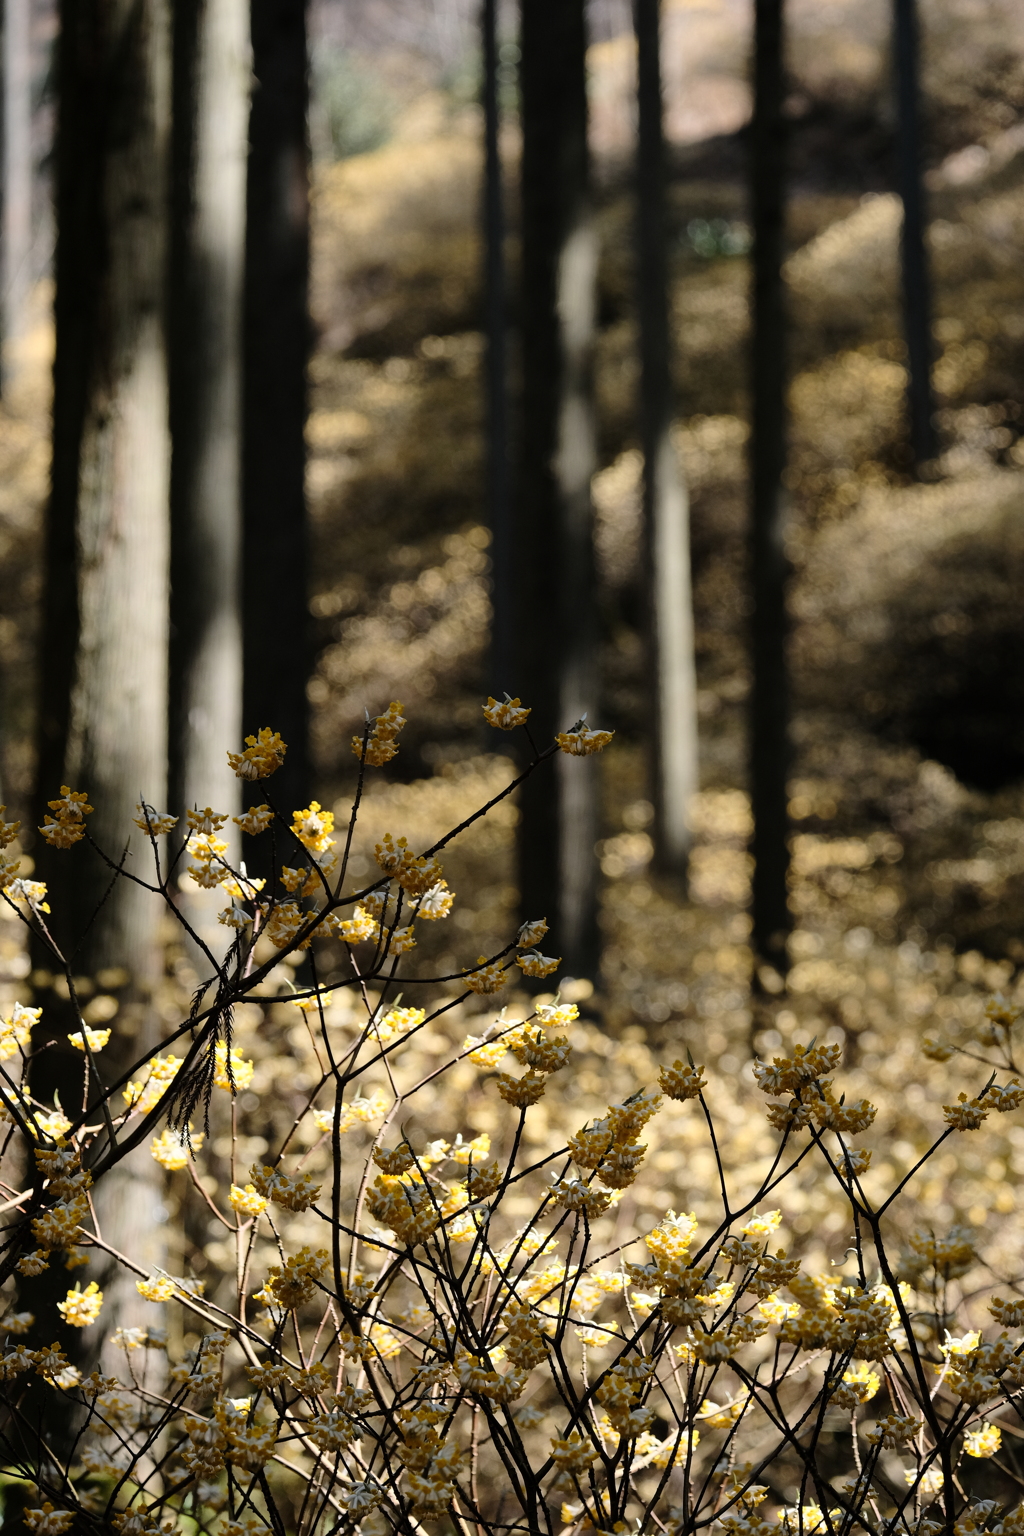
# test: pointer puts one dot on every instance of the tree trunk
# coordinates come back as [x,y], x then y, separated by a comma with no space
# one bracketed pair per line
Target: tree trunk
[769,714]
[556,627]
[496,364]
[17,186]
[917,309]
[277,334]
[673,685]
[103,701]
[212,69]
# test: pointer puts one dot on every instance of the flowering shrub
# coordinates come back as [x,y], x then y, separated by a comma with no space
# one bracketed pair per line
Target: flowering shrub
[411,1324]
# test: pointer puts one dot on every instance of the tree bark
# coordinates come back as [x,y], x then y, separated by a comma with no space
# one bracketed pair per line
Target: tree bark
[277,336]
[103,701]
[212,69]
[917,308]
[673,685]
[556,627]
[17,183]
[496,363]
[769,709]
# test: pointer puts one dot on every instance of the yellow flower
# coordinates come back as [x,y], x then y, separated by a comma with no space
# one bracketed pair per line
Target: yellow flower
[69,827]
[246,1201]
[49,1521]
[256,819]
[31,891]
[506,715]
[153,823]
[80,1308]
[358,927]
[295,1194]
[966,1114]
[144,1095]
[156,1288]
[536,964]
[682,1082]
[984,1441]
[16,1030]
[521,1091]
[531,933]
[231,1074]
[572,1454]
[581,741]
[380,744]
[263,755]
[894,1431]
[313,827]
[436,903]
[486,978]
[95,1039]
[314,1002]
[171,1149]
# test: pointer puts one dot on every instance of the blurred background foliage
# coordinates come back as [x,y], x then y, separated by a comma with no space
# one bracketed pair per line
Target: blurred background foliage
[908,599]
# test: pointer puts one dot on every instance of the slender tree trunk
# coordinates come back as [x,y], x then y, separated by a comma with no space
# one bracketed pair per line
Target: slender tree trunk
[556,626]
[674,773]
[17,184]
[496,364]
[103,701]
[277,334]
[769,717]
[212,70]
[917,307]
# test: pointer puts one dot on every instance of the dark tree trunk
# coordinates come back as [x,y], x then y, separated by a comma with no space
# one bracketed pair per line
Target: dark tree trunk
[496,364]
[17,181]
[917,308]
[674,777]
[103,699]
[212,71]
[555,621]
[277,335]
[769,713]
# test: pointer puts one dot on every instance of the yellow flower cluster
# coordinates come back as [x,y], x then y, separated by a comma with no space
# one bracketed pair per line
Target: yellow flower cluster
[682,1082]
[297,1282]
[89,1039]
[256,819]
[610,1146]
[381,744]
[486,977]
[431,1464]
[16,1030]
[153,823]
[263,755]
[295,1194]
[580,741]
[231,1073]
[144,1094]
[171,1149]
[67,826]
[410,1209]
[359,1111]
[80,1308]
[618,1395]
[533,963]
[207,865]
[506,715]
[48,1521]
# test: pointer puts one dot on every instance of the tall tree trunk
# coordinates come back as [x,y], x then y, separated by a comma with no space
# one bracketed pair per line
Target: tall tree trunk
[103,700]
[17,182]
[769,712]
[277,334]
[917,308]
[674,773]
[212,70]
[556,625]
[496,363]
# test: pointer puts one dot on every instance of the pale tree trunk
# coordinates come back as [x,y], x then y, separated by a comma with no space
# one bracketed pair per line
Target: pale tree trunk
[769,705]
[212,70]
[277,337]
[674,774]
[496,362]
[917,309]
[17,187]
[556,621]
[103,702]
